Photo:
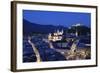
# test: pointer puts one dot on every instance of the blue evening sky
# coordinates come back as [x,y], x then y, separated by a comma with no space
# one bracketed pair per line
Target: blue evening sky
[57,18]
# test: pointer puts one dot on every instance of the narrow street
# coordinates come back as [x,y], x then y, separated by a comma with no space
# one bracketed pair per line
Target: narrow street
[35,50]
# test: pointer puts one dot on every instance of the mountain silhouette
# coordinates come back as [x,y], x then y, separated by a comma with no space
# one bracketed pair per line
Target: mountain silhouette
[31,28]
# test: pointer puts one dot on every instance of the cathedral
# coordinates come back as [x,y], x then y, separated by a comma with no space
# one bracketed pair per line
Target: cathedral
[56,36]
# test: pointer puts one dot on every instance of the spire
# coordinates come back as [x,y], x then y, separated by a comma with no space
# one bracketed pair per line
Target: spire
[62,31]
[57,31]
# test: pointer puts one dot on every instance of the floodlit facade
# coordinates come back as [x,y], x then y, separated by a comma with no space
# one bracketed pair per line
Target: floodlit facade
[56,36]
